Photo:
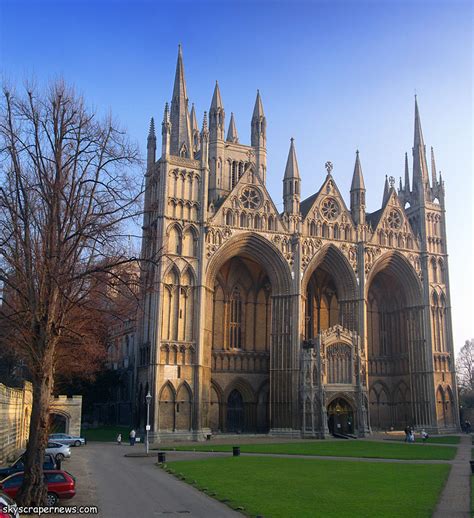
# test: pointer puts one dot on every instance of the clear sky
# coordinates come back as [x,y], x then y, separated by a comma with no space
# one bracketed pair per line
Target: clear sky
[336,76]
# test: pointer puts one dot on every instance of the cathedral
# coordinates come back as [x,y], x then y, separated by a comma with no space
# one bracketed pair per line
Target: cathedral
[320,319]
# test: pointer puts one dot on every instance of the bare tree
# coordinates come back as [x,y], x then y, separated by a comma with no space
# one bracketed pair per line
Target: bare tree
[66,192]
[465,367]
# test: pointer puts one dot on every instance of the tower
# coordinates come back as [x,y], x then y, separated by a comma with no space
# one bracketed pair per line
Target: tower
[218,181]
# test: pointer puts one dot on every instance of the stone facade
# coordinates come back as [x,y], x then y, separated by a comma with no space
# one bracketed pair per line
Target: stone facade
[322,318]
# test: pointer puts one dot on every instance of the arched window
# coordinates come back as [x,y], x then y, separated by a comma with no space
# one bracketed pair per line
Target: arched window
[312,229]
[235,324]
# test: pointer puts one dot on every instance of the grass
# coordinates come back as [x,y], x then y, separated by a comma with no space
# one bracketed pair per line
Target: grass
[106,433]
[276,487]
[433,439]
[367,449]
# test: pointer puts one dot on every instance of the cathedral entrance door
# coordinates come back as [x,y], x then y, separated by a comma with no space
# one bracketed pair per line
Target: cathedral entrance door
[340,417]
[235,412]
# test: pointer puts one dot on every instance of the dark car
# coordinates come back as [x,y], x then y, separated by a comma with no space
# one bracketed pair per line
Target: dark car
[61,485]
[19,465]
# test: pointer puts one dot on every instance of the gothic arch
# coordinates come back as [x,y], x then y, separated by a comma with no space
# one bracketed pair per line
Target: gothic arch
[184,400]
[174,238]
[399,266]
[166,404]
[245,389]
[190,241]
[255,247]
[333,260]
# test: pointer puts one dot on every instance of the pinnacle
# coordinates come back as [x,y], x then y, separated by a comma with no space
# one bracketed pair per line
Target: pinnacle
[292,170]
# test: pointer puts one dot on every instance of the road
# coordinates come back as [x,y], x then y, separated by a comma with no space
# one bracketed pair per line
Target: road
[124,487]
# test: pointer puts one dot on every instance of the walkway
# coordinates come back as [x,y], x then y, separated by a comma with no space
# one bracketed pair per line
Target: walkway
[455,500]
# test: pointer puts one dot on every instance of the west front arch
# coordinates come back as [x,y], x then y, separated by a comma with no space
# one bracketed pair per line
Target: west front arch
[249,331]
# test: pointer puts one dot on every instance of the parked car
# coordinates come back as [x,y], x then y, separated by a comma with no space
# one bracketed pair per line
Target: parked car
[19,465]
[58,451]
[61,485]
[64,438]
[7,503]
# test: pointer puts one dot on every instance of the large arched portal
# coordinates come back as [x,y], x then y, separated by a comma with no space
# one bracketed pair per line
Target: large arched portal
[249,332]
[330,289]
[395,341]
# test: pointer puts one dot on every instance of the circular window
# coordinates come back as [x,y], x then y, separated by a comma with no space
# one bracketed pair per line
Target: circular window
[394,219]
[250,198]
[330,209]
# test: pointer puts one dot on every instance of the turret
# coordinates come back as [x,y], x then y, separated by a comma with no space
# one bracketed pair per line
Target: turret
[291,183]
[151,145]
[232,131]
[259,137]
[216,116]
[181,141]
[166,132]
[358,193]
[196,137]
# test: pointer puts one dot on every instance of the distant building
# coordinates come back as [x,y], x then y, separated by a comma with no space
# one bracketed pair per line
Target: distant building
[321,318]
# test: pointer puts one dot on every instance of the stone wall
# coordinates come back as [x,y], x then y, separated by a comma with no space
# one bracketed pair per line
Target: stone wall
[15,412]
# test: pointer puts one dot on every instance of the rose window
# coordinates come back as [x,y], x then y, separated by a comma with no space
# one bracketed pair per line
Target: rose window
[250,198]
[394,219]
[330,209]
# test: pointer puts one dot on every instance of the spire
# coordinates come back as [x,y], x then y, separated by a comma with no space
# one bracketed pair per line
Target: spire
[418,140]
[433,167]
[420,168]
[258,108]
[216,98]
[166,132]
[151,144]
[180,122]
[194,124]
[407,174]
[386,191]
[232,131]
[292,170]
[358,193]
[291,185]
[204,124]
[357,177]
[216,116]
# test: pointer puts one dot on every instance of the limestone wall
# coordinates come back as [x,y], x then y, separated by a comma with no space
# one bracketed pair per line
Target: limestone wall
[15,412]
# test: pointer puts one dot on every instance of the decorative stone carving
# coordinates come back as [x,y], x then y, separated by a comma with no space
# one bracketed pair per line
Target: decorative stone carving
[371,254]
[309,248]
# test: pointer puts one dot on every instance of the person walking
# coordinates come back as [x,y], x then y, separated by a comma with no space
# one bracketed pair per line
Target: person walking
[132,436]
[424,435]
[119,439]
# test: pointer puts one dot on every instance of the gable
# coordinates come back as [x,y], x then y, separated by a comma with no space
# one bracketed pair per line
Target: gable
[391,226]
[249,205]
[325,208]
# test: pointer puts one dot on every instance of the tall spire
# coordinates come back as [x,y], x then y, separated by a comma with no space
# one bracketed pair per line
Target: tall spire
[258,108]
[166,132]
[151,144]
[194,130]
[420,168]
[180,122]
[433,168]
[407,175]
[232,131]
[357,177]
[292,170]
[386,191]
[258,138]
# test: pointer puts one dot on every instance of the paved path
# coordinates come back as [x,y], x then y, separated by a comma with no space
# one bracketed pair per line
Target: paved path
[122,487]
[455,500]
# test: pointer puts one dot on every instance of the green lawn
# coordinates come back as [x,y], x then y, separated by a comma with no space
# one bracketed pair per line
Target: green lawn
[276,487]
[446,439]
[106,433]
[369,449]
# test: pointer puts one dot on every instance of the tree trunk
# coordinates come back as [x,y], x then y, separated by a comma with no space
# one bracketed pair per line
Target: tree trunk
[34,491]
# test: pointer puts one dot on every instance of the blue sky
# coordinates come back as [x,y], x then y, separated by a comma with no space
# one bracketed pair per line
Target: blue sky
[336,76]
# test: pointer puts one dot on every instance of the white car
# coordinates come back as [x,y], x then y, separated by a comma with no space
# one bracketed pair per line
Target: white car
[58,451]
